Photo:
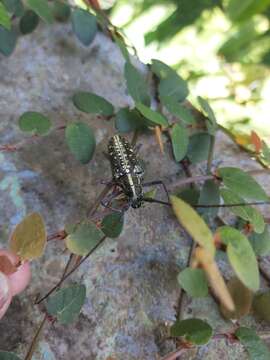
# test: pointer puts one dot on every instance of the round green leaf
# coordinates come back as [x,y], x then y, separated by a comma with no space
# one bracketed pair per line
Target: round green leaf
[261,305]
[66,304]
[254,345]
[199,146]
[81,141]
[172,87]
[84,25]
[180,140]
[8,40]
[242,183]
[246,212]
[241,256]
[42,9]
[92,104]
[195,330]
[6,355]
[261,243]
[209,195]
[128,120]
[155,118]
[35,123]
[136,84]
[161,69]
[193,224]
[194,282]
[180,111]
[28,22]
[84,237]
[112,224]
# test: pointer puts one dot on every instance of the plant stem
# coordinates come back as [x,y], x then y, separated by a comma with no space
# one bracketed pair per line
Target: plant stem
[211,154]
[34,342]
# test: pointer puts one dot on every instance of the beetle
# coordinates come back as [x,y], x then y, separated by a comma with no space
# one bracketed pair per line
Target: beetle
[128,172]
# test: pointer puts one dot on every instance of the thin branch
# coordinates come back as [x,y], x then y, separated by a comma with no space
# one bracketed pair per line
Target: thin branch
[34,342]
[211,154]
[192,180]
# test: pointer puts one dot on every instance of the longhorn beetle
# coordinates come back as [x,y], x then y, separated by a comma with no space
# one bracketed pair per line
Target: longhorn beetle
[127,173]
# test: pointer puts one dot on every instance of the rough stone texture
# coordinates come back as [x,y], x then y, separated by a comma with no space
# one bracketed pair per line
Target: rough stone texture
[132,290]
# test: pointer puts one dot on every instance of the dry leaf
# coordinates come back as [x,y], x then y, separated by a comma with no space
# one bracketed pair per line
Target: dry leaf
[256,141]
[6,265]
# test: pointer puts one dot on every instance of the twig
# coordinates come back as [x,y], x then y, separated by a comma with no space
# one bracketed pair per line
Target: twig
[34,342]
[211,154]
[193,179]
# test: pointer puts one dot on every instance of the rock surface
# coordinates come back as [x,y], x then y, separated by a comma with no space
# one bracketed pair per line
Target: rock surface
[132,291]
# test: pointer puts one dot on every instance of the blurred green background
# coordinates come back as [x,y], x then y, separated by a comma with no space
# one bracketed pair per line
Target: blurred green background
[222,48]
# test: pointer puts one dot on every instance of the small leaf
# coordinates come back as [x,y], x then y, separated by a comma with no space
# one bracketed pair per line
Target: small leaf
[150,194]
[6,265]
[81,141]
[261,305]
[172,87]
[242,298]
[4,17]
[84,238]
[161,69]
[6,355]
[120,42]
[14,7]
[66,304]
[28,22]
[180,111]
[112,224]
[246,212]
[28,239]
[261,243]
[266,153]
[241,256]
[128,120]
[194,282]
[84,25]
[193,224]
[155,118]
[195,331]
[136,85]
[8,40]
[212,123]
[256,141]
[199,146]
[92,103]
[35,123]
[61,11]
[253,344]
[42,9]
[180,140]
[242,183]
[209,195]
[190,196]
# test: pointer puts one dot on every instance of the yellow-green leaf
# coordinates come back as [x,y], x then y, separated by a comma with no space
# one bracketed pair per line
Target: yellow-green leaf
[4,17]
[193,224]
[28,239]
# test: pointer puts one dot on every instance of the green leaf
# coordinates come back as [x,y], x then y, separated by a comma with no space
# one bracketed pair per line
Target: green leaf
[266,152]
[14,7]
[136,85]
[212,121]
[241,11]
[8,40]
[81,141]
[180,140]
[261,306]
[193,224]
[28,22]
[199,146]
[28,240]
[155,118]
[84,238]
[194,282]
[253,344]
[161,69]
[150,194]
[122,46]
[128,120]
[242,298]
[42,9]
[172,87]
[6,355]
[190,195]
[261,243]
[34,123]
[209,195]
[180,111]
[112,224]
[4,17]
[246,212]
[66,304]
[242,183]
[195,330]
[84,25]
[92,103]
[241,256]
[61,11]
